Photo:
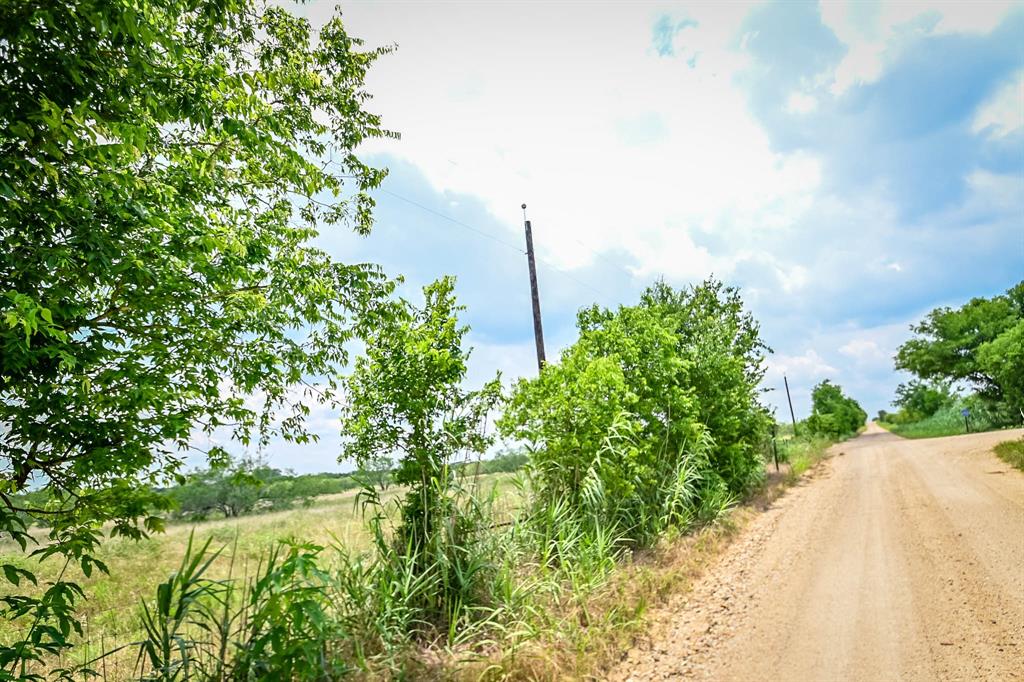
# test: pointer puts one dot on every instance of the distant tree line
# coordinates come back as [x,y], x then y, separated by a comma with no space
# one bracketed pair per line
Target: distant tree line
[246,486]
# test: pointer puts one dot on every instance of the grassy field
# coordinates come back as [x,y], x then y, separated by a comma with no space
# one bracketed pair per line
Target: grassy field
[111,613]
[578,624]
[948,421]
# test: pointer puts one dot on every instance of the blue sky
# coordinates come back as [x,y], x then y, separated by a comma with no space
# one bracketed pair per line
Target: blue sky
[850,166]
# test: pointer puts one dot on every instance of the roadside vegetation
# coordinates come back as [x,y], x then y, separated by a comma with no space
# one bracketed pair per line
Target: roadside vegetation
[969,369]
[834,417]
[434,569]
[161,289]
[802,453]
[1012,452]
[946,420]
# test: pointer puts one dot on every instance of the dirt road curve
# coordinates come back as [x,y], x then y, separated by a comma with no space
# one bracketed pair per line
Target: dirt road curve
[896,560]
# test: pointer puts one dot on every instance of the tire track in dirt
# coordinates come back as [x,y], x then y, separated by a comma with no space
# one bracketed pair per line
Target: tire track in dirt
[894,560]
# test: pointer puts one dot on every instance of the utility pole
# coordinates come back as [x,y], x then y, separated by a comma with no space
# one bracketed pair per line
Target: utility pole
[538,329]
[790,400]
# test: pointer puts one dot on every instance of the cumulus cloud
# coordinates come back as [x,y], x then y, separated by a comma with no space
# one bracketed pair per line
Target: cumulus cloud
[809,365]
[849,165]
[862,350]
[907,128]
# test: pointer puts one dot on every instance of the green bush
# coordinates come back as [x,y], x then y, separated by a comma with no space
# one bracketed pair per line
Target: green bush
[1012,452]
[833,414]
[949,420]
[248,486]
[662,391]
[919,400]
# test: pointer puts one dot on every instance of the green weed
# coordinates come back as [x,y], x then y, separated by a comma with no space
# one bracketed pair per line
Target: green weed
[1012,452]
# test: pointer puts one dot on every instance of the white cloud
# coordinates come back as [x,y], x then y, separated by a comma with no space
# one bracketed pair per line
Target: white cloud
[875,32]
[545,126]
[862,350]
[801,103]
[793,279]
[808,365]
[974,17]
[1004,112]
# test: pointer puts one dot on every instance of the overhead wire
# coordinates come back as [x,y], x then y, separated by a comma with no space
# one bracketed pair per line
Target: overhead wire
[483,233]
[488,235]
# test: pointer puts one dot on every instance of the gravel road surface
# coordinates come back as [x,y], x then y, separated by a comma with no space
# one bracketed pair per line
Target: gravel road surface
[894,560]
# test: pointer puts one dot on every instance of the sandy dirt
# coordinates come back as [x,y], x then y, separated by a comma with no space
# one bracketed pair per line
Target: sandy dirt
[894,560]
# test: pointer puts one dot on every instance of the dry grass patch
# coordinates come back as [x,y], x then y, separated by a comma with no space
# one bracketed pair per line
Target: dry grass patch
[110,614]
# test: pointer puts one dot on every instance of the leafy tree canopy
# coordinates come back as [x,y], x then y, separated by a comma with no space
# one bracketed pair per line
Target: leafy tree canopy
[164,167]
[648,393]
[406,402]
[918,400]
[955,345]
[833,413]
[1003,359]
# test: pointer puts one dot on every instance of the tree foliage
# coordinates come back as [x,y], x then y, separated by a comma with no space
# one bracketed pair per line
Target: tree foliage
[246,485]
[406,400]
[918,400]
[978,343]
[834,414]
[646,393]
[164,167]
[1002,359]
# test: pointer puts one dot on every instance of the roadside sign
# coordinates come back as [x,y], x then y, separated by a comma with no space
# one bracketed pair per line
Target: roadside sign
[965,412]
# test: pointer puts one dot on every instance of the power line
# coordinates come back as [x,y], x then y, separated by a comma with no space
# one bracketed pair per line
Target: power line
[558,271]
[483,233]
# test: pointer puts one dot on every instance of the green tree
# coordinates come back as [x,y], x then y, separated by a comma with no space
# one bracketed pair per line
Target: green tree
[647,394]
[406,400]
[918,400]
[947,343]
[834,414]
[164,169]
[232,488]
[1002,359]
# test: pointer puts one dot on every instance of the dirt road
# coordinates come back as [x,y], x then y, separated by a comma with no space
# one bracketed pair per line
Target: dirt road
[895,560]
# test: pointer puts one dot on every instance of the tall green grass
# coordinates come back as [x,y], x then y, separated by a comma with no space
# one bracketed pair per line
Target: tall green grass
[487,594]
[947,421]
[802,452]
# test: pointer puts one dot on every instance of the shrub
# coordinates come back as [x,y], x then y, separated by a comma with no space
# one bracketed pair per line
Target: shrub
[983,415]
[661,391]
[918,400]
[833,414]
[406,397]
